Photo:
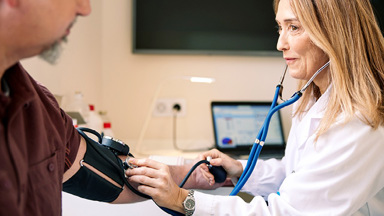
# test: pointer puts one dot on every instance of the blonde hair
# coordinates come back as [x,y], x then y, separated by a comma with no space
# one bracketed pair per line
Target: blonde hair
[348,33]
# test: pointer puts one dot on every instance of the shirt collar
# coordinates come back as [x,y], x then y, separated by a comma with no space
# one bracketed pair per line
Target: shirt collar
[21,85]
[5,87]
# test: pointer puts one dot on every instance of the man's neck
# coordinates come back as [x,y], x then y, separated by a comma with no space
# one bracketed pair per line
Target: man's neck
[3,68]
[6,60]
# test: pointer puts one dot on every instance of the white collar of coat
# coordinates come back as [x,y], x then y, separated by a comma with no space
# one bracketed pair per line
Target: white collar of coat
[318,109]
[308,124]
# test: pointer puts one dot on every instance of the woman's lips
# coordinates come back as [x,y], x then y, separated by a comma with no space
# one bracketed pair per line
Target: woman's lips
[290,60]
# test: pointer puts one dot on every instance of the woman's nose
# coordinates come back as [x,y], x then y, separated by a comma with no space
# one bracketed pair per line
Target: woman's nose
[282,43]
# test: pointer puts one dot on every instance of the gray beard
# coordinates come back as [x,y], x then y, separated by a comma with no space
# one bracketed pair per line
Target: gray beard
[52,54]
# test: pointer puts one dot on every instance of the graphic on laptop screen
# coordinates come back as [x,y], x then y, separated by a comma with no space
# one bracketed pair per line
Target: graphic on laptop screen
[237,124]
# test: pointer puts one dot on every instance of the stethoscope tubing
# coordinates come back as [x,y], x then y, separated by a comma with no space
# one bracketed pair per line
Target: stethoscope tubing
[262,135]
[256,143]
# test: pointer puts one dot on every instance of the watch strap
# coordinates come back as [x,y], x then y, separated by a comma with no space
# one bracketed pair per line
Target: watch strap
[189,203]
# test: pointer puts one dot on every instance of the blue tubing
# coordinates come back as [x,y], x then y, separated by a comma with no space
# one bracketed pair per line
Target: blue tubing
[251,155]
[262,135]
[246,175]
[274,101]
[255,145]
[292,100]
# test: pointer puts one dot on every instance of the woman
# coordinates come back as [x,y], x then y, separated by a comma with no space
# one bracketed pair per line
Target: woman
[333,163]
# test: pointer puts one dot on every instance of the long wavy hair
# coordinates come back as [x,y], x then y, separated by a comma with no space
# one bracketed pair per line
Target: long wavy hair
[348,33]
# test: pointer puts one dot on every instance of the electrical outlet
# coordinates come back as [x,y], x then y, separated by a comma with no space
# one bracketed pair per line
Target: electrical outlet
[164,107]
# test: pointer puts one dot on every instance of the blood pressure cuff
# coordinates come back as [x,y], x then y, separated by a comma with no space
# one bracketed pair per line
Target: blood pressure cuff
[89,185]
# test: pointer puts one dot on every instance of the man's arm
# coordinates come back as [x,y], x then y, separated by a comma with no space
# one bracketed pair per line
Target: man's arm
[126,196]
[76,164]
[178,173]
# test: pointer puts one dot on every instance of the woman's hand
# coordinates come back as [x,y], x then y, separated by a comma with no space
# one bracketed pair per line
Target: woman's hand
[233,167]
[156,181]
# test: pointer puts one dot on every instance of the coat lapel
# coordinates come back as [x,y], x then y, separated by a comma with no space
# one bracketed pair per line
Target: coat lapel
[309,123]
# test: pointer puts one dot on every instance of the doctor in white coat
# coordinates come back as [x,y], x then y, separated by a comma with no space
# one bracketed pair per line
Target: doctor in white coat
[334,160]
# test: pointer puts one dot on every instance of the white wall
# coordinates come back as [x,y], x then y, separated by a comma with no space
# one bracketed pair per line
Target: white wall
[98,61]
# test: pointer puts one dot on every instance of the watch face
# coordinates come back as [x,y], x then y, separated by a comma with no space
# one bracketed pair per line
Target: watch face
[190,204]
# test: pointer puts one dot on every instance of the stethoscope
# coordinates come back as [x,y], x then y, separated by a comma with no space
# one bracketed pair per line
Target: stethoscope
[262,135]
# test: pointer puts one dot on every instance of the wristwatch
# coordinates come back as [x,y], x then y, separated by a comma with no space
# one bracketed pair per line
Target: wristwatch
[189,203]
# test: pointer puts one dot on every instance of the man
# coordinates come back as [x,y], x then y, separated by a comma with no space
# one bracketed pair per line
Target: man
[39,147]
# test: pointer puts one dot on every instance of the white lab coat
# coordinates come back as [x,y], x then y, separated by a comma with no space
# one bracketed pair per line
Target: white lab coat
[340,174]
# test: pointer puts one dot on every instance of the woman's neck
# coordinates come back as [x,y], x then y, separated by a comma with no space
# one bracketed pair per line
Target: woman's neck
[322,81]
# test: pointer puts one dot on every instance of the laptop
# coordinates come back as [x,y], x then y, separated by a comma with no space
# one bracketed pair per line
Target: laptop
[237,123]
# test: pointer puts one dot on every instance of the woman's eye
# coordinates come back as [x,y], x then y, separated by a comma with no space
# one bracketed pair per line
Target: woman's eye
[293,28]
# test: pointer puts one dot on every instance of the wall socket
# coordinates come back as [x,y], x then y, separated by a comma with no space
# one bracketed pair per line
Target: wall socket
[164,107]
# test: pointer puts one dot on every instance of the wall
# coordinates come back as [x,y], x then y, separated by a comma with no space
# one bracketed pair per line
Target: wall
[99,62]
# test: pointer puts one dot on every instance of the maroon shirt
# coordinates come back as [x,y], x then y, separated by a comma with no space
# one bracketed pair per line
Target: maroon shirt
[37,144]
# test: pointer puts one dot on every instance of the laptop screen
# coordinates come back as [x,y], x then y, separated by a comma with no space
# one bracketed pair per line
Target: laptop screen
[236,125]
